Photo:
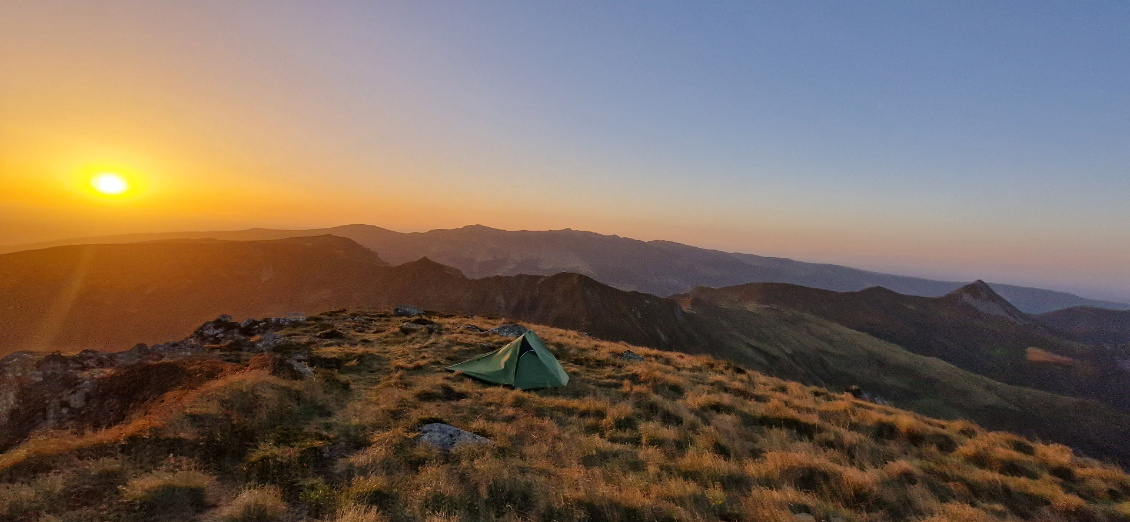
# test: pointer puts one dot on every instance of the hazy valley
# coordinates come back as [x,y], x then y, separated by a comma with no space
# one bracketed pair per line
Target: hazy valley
[659,268]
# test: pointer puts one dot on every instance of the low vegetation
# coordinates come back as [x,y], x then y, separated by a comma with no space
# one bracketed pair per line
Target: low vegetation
[673,437]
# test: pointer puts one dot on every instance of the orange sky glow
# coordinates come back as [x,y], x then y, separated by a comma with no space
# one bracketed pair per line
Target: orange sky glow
[229,117]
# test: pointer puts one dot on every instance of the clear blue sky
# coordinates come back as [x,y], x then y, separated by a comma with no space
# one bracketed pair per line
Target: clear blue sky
[956,140]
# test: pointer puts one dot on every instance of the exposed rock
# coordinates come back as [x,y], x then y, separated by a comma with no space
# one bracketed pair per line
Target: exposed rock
[300,367]
[629,355]
[981,297]
[406,311]
[854,391]
[409,328]
[89,390]
[509,330]
[225,334]
[217,331]
[252,327]
[268,342]
[472,328]
[446,437]
[804,517]
[40,390]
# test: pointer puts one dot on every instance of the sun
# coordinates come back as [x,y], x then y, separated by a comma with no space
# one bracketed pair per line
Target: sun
[109,183]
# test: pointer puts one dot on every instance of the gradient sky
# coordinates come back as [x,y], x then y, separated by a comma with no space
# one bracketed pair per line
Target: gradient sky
[951,140]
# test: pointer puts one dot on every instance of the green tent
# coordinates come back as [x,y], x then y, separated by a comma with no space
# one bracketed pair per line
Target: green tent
[524,364]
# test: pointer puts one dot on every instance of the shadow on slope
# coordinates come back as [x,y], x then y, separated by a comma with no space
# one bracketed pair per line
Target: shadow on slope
[127,295]
[972,327]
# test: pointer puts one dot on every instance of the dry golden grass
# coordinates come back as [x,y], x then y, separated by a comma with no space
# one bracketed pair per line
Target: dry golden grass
[675,437]
[256,504]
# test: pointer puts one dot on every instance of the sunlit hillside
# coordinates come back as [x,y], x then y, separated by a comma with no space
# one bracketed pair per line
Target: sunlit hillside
[232,424]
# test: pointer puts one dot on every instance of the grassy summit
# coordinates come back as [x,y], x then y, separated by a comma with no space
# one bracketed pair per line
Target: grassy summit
[675,437]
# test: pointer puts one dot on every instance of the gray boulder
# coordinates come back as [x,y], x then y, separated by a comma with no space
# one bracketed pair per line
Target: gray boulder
[406,311]
[300,368]
[629,355]
[446,437]
[509,330]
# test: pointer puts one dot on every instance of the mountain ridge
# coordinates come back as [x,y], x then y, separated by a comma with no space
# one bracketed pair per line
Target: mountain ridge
[973,328]
[656,267]
[326,272]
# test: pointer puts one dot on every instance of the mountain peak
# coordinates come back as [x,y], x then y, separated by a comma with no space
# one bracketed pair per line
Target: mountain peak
[984,299]
[425,266]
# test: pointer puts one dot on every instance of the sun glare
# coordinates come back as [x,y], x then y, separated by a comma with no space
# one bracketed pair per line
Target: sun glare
[109,183]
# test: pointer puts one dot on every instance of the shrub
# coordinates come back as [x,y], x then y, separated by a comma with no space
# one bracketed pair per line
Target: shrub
[282,465]
[372,490]
[320,498]
[261,504]
[355,513]
[168,493]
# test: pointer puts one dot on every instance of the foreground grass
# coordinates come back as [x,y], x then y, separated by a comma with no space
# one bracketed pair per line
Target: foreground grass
[675,437]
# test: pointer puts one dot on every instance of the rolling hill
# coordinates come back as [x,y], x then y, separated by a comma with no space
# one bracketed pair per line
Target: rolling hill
[972,328]
[125,296]
[1089,324]
[656,267]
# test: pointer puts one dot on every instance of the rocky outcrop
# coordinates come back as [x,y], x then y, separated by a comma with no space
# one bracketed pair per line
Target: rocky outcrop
[446,437]
[629,355]
[93,389]
[509,330]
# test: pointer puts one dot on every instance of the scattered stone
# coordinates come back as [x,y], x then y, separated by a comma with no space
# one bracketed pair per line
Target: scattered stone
[446,437]
[268,342]
[89,359]
[252,327]
[509,330]
[406,311]
[305,371]
[218,330]
[629,355]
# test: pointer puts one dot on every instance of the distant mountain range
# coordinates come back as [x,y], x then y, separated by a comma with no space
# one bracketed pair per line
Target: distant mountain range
[656,267]
[112,296]
[972,327]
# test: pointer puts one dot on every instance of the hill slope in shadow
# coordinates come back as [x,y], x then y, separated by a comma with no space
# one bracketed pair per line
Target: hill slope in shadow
[972,328]
[127,296]
[1092,325]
